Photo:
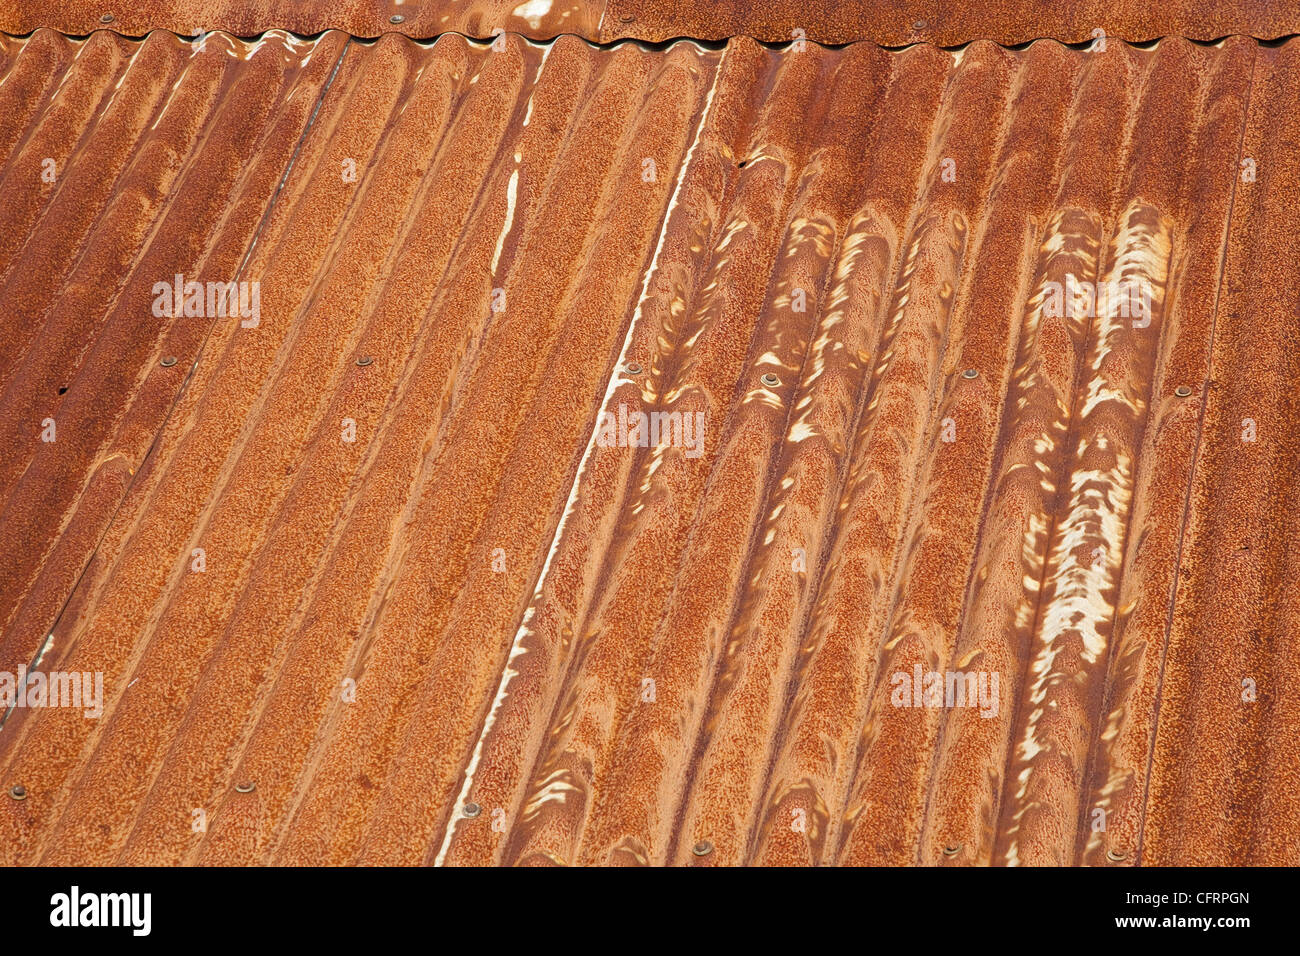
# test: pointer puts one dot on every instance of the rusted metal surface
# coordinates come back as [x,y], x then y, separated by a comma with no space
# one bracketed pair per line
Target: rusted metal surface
[900,22]
[436,608]
[538,19]
[889,22]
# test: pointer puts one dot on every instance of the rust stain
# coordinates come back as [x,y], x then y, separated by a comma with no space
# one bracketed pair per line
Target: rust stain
[963,536]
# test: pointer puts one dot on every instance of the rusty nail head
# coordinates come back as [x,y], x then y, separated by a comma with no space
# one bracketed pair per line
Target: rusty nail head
[471,809]
[168,362]
[770,380]
[952,849]
[971,373]
[364,360]
[246,787]
[1182,391]
[703,848]
[1116,856]
[106,18]
[627,17]
[396,18]
[632,368]
[920,25]
[18,792]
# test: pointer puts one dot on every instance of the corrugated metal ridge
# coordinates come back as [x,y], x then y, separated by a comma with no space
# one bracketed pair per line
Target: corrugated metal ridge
[889,22]
[640,43]
[368,583]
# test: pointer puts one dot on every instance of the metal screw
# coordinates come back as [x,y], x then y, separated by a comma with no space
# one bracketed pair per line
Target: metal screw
[365,360]
[246,787]
[106,18]
[770,380]
[632,368]
[1116,856]
[1182,391]
[971,373]
[18,792]
[168,362]
[703,848]
[952,849]
[471,809]
[396,18]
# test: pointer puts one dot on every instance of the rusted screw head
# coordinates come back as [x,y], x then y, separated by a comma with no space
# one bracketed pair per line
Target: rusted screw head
[627,17]
[703,848]
[971,373]
[1116,856]
[396,18]
[952,849]
[106,18]
[632,368]
[1182,391]
[920,25]
[18,792]
[471,809]
[770,380]
[365,360]
[246,787]
[168,362]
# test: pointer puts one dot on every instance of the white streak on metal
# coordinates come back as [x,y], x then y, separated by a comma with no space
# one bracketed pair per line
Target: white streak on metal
[571,505]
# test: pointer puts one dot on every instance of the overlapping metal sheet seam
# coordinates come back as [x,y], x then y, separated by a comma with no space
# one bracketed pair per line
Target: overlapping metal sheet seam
[889,22]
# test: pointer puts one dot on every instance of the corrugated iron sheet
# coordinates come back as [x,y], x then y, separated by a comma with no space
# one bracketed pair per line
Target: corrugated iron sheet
[539,19]
[889,22]
[368,582]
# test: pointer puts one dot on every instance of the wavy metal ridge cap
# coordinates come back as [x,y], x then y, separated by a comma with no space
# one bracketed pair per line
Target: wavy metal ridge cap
[888,22]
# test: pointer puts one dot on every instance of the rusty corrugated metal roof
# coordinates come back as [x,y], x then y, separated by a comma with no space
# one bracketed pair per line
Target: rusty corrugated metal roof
[889,22]
[420,609]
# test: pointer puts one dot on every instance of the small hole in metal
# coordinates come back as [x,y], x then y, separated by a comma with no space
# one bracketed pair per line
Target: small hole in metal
[770,380]
[471,809]
[168,362]
[632,368]
[971,373]
[63,389]
[365,360]
[18,792]
[1182,391]
[1116,856]
[952,849]
[106,18]
[246,787]
[396,18]
[703,848]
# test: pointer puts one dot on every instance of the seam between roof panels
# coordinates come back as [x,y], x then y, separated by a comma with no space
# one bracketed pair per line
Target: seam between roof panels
[717,43]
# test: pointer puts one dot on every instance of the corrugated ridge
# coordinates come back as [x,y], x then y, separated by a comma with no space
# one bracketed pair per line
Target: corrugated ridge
[891,22]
